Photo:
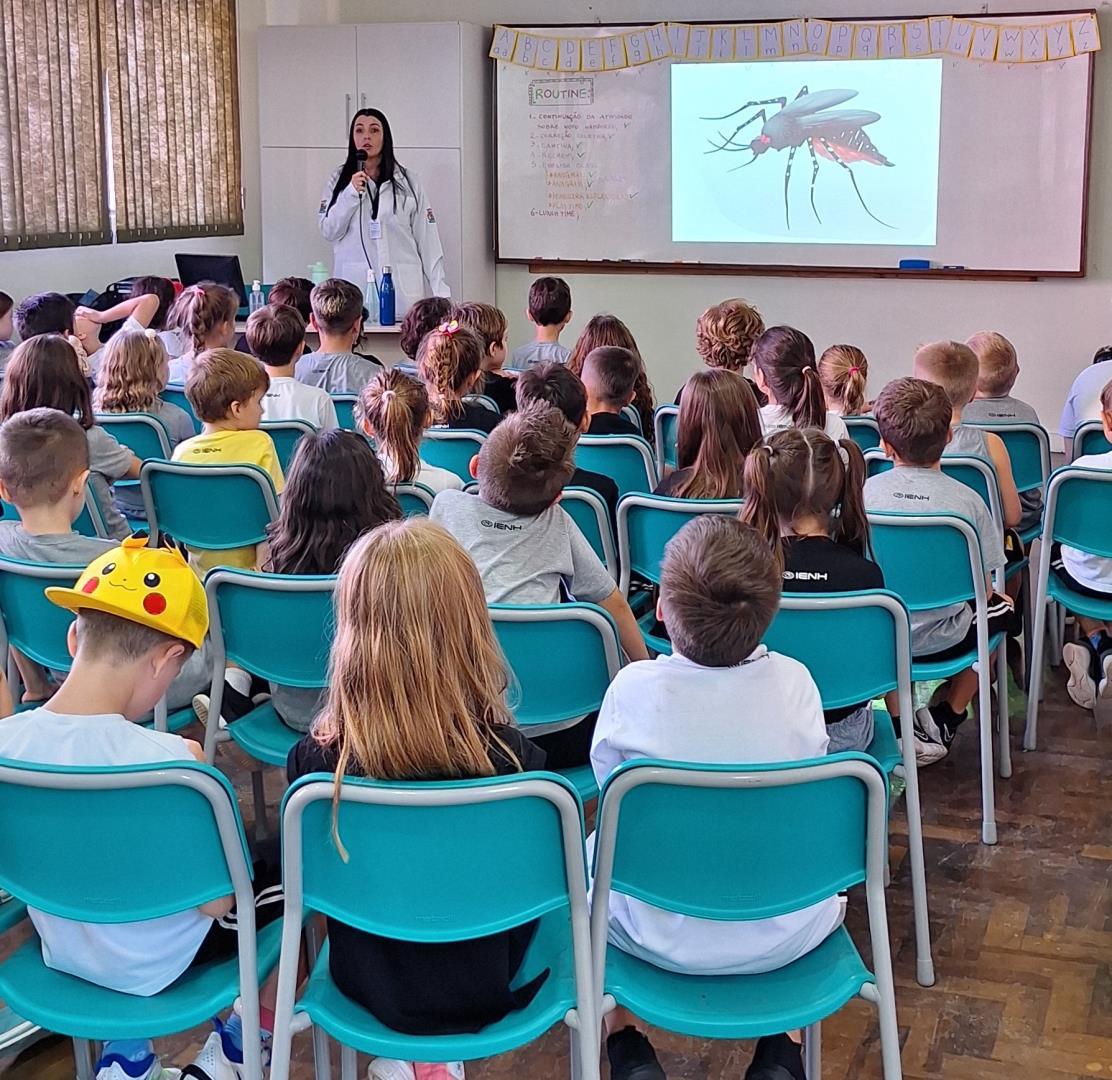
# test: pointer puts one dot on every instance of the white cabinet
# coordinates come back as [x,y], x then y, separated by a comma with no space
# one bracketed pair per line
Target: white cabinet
[307,85]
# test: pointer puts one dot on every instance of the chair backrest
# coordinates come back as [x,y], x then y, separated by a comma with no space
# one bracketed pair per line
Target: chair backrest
[243,602]
[975,473]
[584,638]
[171,833]
[666,421]
[856,645]
[588,510]
[414,499]
[175,395]
[1028,447]
[627,459]
[487,403]
[1089,438]
[633,416]
[144,434]
[452,449]
[864,431]
[908,545]
[647,522]
[28,621]
[236,503]
[286,434]
[467,858]
[345,410]
[1079,509]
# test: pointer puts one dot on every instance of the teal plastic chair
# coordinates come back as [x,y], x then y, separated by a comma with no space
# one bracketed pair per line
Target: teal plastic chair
[1078,514]
[645,525]
[466,859]
[633,416]
[242,603]
[238,502]
[415,500]
[627,459]
[543,698]
[796,833]
[666,420]
[345,411]
[175,395]
[904,545]
[1028,447]
[90,522]
[485,402]
[864,431]
[452,449]
[857,647]
[144,434]
[172,835]
[588,510]
[1089,438]
[286,434]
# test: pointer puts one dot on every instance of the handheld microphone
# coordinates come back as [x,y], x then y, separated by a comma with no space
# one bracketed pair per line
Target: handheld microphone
[361,160]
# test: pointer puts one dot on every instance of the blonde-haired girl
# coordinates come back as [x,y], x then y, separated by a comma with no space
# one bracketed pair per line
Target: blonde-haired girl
[416,692]
[205,317]
[394,411]
[450,364]
[843,372]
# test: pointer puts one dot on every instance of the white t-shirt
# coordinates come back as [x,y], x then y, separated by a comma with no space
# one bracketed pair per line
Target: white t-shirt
[288,399]
[431,476]
[1083,402]
[1095,571]
[766,709]
[776,418]
[138,958]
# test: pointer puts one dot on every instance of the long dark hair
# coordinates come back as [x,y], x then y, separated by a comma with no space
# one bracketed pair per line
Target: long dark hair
[388,166]
[786,358]
[44,373]
[334,493]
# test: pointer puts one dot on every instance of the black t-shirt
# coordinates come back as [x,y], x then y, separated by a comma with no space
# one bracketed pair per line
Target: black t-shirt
[501,390]
[816,564]
[474,418]
[603,485]
[604,423]
[429,988]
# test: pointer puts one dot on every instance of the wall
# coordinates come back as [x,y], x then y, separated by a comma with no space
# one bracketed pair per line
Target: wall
[75,269]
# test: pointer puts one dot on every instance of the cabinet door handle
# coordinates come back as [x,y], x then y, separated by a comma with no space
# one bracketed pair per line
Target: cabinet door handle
[347,109]
[362,100]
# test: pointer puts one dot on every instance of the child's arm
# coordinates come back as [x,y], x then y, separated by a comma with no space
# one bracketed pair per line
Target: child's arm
[6,706]
[629,633]
[140,308]
[134,468]
[1009,497]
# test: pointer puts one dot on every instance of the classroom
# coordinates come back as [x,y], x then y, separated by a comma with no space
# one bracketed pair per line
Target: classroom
[544,542]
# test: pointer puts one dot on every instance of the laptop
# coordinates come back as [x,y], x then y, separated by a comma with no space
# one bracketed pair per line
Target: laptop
[223,269]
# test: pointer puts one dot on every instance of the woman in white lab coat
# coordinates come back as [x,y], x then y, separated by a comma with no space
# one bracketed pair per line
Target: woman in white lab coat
[375,214]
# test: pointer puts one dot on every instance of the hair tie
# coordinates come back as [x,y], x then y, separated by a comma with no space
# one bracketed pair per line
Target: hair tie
[449,328]
[854,370]
[150,334]
[768,450]
[389,395]
[843,453]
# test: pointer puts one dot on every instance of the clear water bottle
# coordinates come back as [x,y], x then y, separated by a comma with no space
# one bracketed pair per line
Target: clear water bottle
[370,298]
[386,298]
[256,300]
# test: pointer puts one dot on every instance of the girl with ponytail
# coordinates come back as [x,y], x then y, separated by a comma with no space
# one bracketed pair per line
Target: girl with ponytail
[804,493]
[785,370]
[843,372]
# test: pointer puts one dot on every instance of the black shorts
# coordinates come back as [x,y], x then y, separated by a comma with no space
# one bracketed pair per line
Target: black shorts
[1002,619]
[568,747]
[1070,582]
[222,941]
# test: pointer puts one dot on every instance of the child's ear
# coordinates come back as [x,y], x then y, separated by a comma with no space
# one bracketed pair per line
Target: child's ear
[79,481]
[1105,419]
[567,318]
[659,610]
[313,323]
[4,493]
[632,395]
[165,656]
[949,435]
[888,451]
[71,638]
[473,467]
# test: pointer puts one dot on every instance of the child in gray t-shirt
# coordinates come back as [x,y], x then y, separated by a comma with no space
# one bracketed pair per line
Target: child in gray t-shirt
[914,419]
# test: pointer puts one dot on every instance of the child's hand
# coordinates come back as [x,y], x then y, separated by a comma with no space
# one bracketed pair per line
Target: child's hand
[88,313]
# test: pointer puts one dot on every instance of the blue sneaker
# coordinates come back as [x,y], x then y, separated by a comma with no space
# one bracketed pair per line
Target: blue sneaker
[115,1067]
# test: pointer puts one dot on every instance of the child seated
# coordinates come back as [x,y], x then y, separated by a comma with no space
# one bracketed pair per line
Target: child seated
[276,336]
[803,494]
[724,336]
[490,324]
[393,619]
[786,373]
[721,697]
[719,424]
[424,315]
[450,364]
[914,419]
[44,373]
[394,413]
[843,372]
[44,313]
[205,316]
[527,549]
[138,312]
[293,292]
[953,366]
[226,391]
[7,328]
[549,311]
[610,376]
[125,654]
[610,330]
[1090,661]
[555,384]
[338,319]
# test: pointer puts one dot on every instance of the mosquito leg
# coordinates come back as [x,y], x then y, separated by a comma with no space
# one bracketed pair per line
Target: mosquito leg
[814,177]
[787,177]
[834,157]
[728,141]
[781,101]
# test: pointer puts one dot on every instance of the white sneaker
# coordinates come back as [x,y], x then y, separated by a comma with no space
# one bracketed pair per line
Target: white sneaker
[212,1063]
[926,751]
[1081,687]
[392,1069]
[151,1069]
[201,710]
[1104,691]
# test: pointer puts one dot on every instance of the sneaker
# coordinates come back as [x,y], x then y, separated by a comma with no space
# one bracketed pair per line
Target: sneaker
[927,751]
[114,1067]
[215,1061]
[201,710]
[776,1057]
[1104,690]
[1082,687]
[936,730]
[632,1057]
[392,1069]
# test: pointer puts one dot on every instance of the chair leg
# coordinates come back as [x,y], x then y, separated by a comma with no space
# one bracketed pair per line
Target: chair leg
[1038,644]
[1002,709]
[885,1003]
[322,1045]
[348,1067]
[984,721]
[1028,623]
[924,962]
[258,791]
[812,1051]
[83,1059]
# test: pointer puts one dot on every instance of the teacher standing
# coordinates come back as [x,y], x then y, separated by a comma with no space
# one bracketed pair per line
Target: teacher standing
[375,214]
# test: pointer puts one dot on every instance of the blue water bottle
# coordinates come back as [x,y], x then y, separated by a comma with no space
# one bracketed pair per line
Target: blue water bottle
[386,298]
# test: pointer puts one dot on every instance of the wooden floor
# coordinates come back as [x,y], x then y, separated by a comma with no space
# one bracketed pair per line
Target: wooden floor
[1022,934]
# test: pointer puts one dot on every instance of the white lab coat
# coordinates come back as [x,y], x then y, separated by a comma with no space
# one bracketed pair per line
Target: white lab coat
[408,241]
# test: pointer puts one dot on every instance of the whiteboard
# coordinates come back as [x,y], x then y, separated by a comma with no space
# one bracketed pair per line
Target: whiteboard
[617,165]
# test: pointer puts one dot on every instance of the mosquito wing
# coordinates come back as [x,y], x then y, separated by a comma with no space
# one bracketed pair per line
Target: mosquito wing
[812,103]
[836,120]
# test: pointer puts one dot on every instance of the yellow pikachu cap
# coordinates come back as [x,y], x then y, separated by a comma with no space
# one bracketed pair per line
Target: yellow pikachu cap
[151,586]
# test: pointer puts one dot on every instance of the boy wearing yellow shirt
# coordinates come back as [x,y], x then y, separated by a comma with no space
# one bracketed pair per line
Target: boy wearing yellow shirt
[226,390]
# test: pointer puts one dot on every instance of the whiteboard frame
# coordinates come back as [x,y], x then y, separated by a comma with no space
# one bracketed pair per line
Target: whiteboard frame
[612,266]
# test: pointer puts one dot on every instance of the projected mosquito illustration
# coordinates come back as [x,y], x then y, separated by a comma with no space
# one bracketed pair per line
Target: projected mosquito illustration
[811,121]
